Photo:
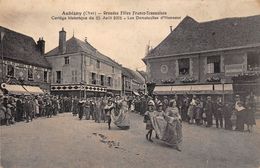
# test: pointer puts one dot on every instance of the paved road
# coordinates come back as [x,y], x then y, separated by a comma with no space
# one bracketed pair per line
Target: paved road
[66,142]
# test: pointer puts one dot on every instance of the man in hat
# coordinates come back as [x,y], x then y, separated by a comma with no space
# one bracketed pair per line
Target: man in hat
[28,109]
[81,109]
[218,112]
[209,110]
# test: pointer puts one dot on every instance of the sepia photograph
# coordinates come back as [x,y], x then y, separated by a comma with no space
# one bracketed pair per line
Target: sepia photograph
[129,84]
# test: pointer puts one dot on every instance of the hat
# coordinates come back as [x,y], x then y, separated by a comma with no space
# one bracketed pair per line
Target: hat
[159,103]
[172,101]
[151,103]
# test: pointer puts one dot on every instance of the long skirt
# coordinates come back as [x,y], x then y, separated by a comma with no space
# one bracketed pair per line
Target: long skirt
[169,132]
[121,120]
[240,120]
[173,133]
[250,118]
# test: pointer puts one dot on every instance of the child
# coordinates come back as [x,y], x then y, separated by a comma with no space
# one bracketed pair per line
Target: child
[147,120]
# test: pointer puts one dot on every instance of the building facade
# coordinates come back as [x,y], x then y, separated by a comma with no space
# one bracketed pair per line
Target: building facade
[24,69]
[132,82]
[205,58]
[78,69]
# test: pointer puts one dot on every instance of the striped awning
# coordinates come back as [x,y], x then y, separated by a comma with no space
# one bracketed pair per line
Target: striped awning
[34,90]
[14,89]
[19,89]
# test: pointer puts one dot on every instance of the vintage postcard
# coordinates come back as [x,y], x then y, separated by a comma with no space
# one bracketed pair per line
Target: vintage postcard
[122,84]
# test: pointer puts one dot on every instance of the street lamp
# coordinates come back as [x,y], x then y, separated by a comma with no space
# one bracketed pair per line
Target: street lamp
[223,89]
[2,34]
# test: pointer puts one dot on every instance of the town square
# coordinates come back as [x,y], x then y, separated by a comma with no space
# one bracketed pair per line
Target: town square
[169,84]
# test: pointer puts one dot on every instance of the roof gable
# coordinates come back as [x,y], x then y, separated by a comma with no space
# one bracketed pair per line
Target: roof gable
[74,45]
[21,48]
[191,36]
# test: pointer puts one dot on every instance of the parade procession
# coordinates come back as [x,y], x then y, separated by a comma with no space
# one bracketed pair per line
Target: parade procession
[166,84]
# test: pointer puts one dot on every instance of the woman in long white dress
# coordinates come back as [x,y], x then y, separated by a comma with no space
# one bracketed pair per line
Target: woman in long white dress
[120,116]
[169,129]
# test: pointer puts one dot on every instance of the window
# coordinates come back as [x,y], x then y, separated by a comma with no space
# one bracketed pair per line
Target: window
[67,60]
[10,70]
[45,76]
[30,74]
[113,69]
[253,61]
[93,78]
[213,64]
[102,81]
[184,66]
[109,81]
[98,64]
[58,74]
[74,76]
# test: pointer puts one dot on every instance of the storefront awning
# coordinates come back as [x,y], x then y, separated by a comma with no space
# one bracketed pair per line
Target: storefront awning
[227,89]
[193,89]
[33,90]
[14,89]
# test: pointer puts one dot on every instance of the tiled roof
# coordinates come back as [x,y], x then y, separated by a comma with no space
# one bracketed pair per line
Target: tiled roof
[134,75]
[21,48]
[192,36]
[74,45]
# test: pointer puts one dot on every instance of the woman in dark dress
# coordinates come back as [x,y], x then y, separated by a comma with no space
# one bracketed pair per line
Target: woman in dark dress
[250,113]
[241,113]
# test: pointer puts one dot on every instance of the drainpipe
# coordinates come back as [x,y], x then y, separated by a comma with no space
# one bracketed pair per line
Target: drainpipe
[199,69]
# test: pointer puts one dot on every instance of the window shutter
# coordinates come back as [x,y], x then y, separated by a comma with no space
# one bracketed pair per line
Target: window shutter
[72,76]
[76,77]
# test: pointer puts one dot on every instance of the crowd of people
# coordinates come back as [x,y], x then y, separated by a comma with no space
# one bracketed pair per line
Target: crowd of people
[163,115]
[17,108]
[199,110]
[204,110]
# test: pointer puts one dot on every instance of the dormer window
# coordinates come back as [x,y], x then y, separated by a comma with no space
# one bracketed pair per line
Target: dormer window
[67,60]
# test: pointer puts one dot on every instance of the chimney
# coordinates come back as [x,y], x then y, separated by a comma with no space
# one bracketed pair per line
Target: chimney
[62,41]
[86,39]
[171,28]
[41,45]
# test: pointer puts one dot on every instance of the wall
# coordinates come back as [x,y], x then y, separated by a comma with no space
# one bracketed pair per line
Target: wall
[198,66]
[84,64]
[21,72]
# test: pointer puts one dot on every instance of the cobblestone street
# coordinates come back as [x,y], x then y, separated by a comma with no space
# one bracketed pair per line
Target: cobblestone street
[66,142]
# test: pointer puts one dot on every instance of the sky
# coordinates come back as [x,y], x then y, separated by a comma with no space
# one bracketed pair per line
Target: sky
[124,41]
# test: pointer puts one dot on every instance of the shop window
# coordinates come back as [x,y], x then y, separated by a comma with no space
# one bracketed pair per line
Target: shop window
[67,60]
[58,75]
[213,64]
[184,66]
[10,70]
[253,61]
[93,78]
[102,82]
[45,76]
[30,74]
